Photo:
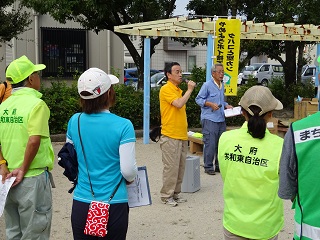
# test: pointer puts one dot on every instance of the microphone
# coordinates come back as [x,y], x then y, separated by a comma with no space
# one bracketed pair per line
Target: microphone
[186,81]
[219,106]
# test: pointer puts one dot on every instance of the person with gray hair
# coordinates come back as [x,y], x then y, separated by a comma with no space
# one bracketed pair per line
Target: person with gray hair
[211,100]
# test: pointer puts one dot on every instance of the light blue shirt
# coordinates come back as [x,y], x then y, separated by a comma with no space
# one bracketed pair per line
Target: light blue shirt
[210,92]
[102,134]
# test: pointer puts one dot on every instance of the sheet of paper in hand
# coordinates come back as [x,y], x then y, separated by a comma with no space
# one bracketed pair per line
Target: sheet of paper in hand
[4,189]
[139,191]
[230,112]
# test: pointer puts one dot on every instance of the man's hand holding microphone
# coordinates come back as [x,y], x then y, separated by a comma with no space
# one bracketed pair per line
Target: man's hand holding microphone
[216,106]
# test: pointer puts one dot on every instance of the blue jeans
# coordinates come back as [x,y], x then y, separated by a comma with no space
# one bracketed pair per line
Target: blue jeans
[211,133]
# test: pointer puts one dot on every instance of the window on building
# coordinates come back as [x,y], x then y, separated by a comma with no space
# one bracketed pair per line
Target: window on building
[191,63]
[133,38]
[63,51]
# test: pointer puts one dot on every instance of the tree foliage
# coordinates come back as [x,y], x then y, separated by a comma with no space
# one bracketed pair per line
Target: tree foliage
[98,15]
[280,11]
[12,21]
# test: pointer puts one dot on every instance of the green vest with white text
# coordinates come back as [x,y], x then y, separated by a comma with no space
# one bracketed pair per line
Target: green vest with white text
[307,203]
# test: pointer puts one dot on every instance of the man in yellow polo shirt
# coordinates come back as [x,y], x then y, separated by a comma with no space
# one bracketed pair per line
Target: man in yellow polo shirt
[26,153]
[174,128]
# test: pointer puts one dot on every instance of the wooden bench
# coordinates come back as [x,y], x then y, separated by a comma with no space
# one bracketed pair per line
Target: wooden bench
[196,144]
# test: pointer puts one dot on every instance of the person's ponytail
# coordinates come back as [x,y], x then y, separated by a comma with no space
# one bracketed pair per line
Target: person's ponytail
[256,124]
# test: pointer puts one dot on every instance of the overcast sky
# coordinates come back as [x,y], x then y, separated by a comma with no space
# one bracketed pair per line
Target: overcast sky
[181,7]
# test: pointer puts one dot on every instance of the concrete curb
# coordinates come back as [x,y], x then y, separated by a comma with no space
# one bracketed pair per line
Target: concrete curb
[139,134]
[58,137]
[62,137]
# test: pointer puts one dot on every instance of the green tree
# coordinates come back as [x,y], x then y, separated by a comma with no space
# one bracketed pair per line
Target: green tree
[280,11]
[12,21]
[99,15]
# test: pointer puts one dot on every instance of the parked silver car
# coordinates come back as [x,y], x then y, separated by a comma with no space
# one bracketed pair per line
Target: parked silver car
[262,72]
[308,73]
[240,76]
[158,79]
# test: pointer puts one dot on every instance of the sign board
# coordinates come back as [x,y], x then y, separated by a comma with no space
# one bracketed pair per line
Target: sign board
[227,50]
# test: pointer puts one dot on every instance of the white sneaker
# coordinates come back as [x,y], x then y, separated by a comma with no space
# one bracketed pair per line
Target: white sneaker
[170,201]
[178,199]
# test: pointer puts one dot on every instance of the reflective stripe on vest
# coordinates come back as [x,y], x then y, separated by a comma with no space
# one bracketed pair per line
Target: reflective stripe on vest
[307,143]
[307,231]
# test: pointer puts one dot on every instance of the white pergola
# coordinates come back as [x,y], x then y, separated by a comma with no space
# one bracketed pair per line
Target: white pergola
[205,28]
[201,27]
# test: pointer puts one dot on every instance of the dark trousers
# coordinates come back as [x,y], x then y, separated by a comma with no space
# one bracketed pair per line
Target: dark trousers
[211,133]
[117,223]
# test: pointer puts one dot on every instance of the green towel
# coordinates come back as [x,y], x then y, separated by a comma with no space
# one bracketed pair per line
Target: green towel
[197,135]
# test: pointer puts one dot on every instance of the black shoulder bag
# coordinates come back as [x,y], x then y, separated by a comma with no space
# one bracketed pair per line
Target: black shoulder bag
[67,158]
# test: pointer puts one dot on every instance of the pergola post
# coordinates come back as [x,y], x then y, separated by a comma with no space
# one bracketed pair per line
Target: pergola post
[146,91]
[210,51]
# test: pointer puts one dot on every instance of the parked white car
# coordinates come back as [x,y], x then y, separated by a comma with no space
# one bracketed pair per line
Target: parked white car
[240,76]
[308,73]
[263,72]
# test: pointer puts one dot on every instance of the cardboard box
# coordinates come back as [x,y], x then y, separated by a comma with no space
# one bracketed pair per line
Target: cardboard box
[272,125]
[306,107]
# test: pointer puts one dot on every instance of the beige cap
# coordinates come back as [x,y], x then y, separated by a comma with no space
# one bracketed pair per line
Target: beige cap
[262,97]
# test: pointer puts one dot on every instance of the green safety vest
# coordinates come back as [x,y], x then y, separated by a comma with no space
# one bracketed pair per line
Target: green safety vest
[14,135]
[307,203]
[249,168]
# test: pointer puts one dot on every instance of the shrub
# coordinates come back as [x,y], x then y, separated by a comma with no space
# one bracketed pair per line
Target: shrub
[63,101]
[129,104]
[287,95]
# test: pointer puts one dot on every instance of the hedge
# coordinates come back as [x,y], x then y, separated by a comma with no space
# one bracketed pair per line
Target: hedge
[63,101]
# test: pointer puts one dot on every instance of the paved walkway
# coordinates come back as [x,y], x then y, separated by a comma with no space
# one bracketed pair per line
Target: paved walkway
[200,218]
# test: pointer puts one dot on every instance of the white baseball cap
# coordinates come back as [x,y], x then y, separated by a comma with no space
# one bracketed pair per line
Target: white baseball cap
[96,82]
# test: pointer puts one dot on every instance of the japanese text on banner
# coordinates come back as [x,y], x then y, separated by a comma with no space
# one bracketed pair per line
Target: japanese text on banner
[227,48]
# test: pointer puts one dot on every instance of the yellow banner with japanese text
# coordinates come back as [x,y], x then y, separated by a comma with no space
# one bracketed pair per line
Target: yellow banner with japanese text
[227,50]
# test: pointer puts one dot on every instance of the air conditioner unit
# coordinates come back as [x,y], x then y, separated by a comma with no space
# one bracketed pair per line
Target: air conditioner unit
[191,178]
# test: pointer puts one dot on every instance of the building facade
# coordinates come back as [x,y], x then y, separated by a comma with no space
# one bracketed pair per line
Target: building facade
[169,50]
[66,49]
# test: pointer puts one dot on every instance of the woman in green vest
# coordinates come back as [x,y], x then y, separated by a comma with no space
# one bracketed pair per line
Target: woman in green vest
[249,164]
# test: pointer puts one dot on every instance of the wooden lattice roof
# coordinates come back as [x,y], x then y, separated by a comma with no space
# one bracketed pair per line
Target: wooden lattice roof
[201,27]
